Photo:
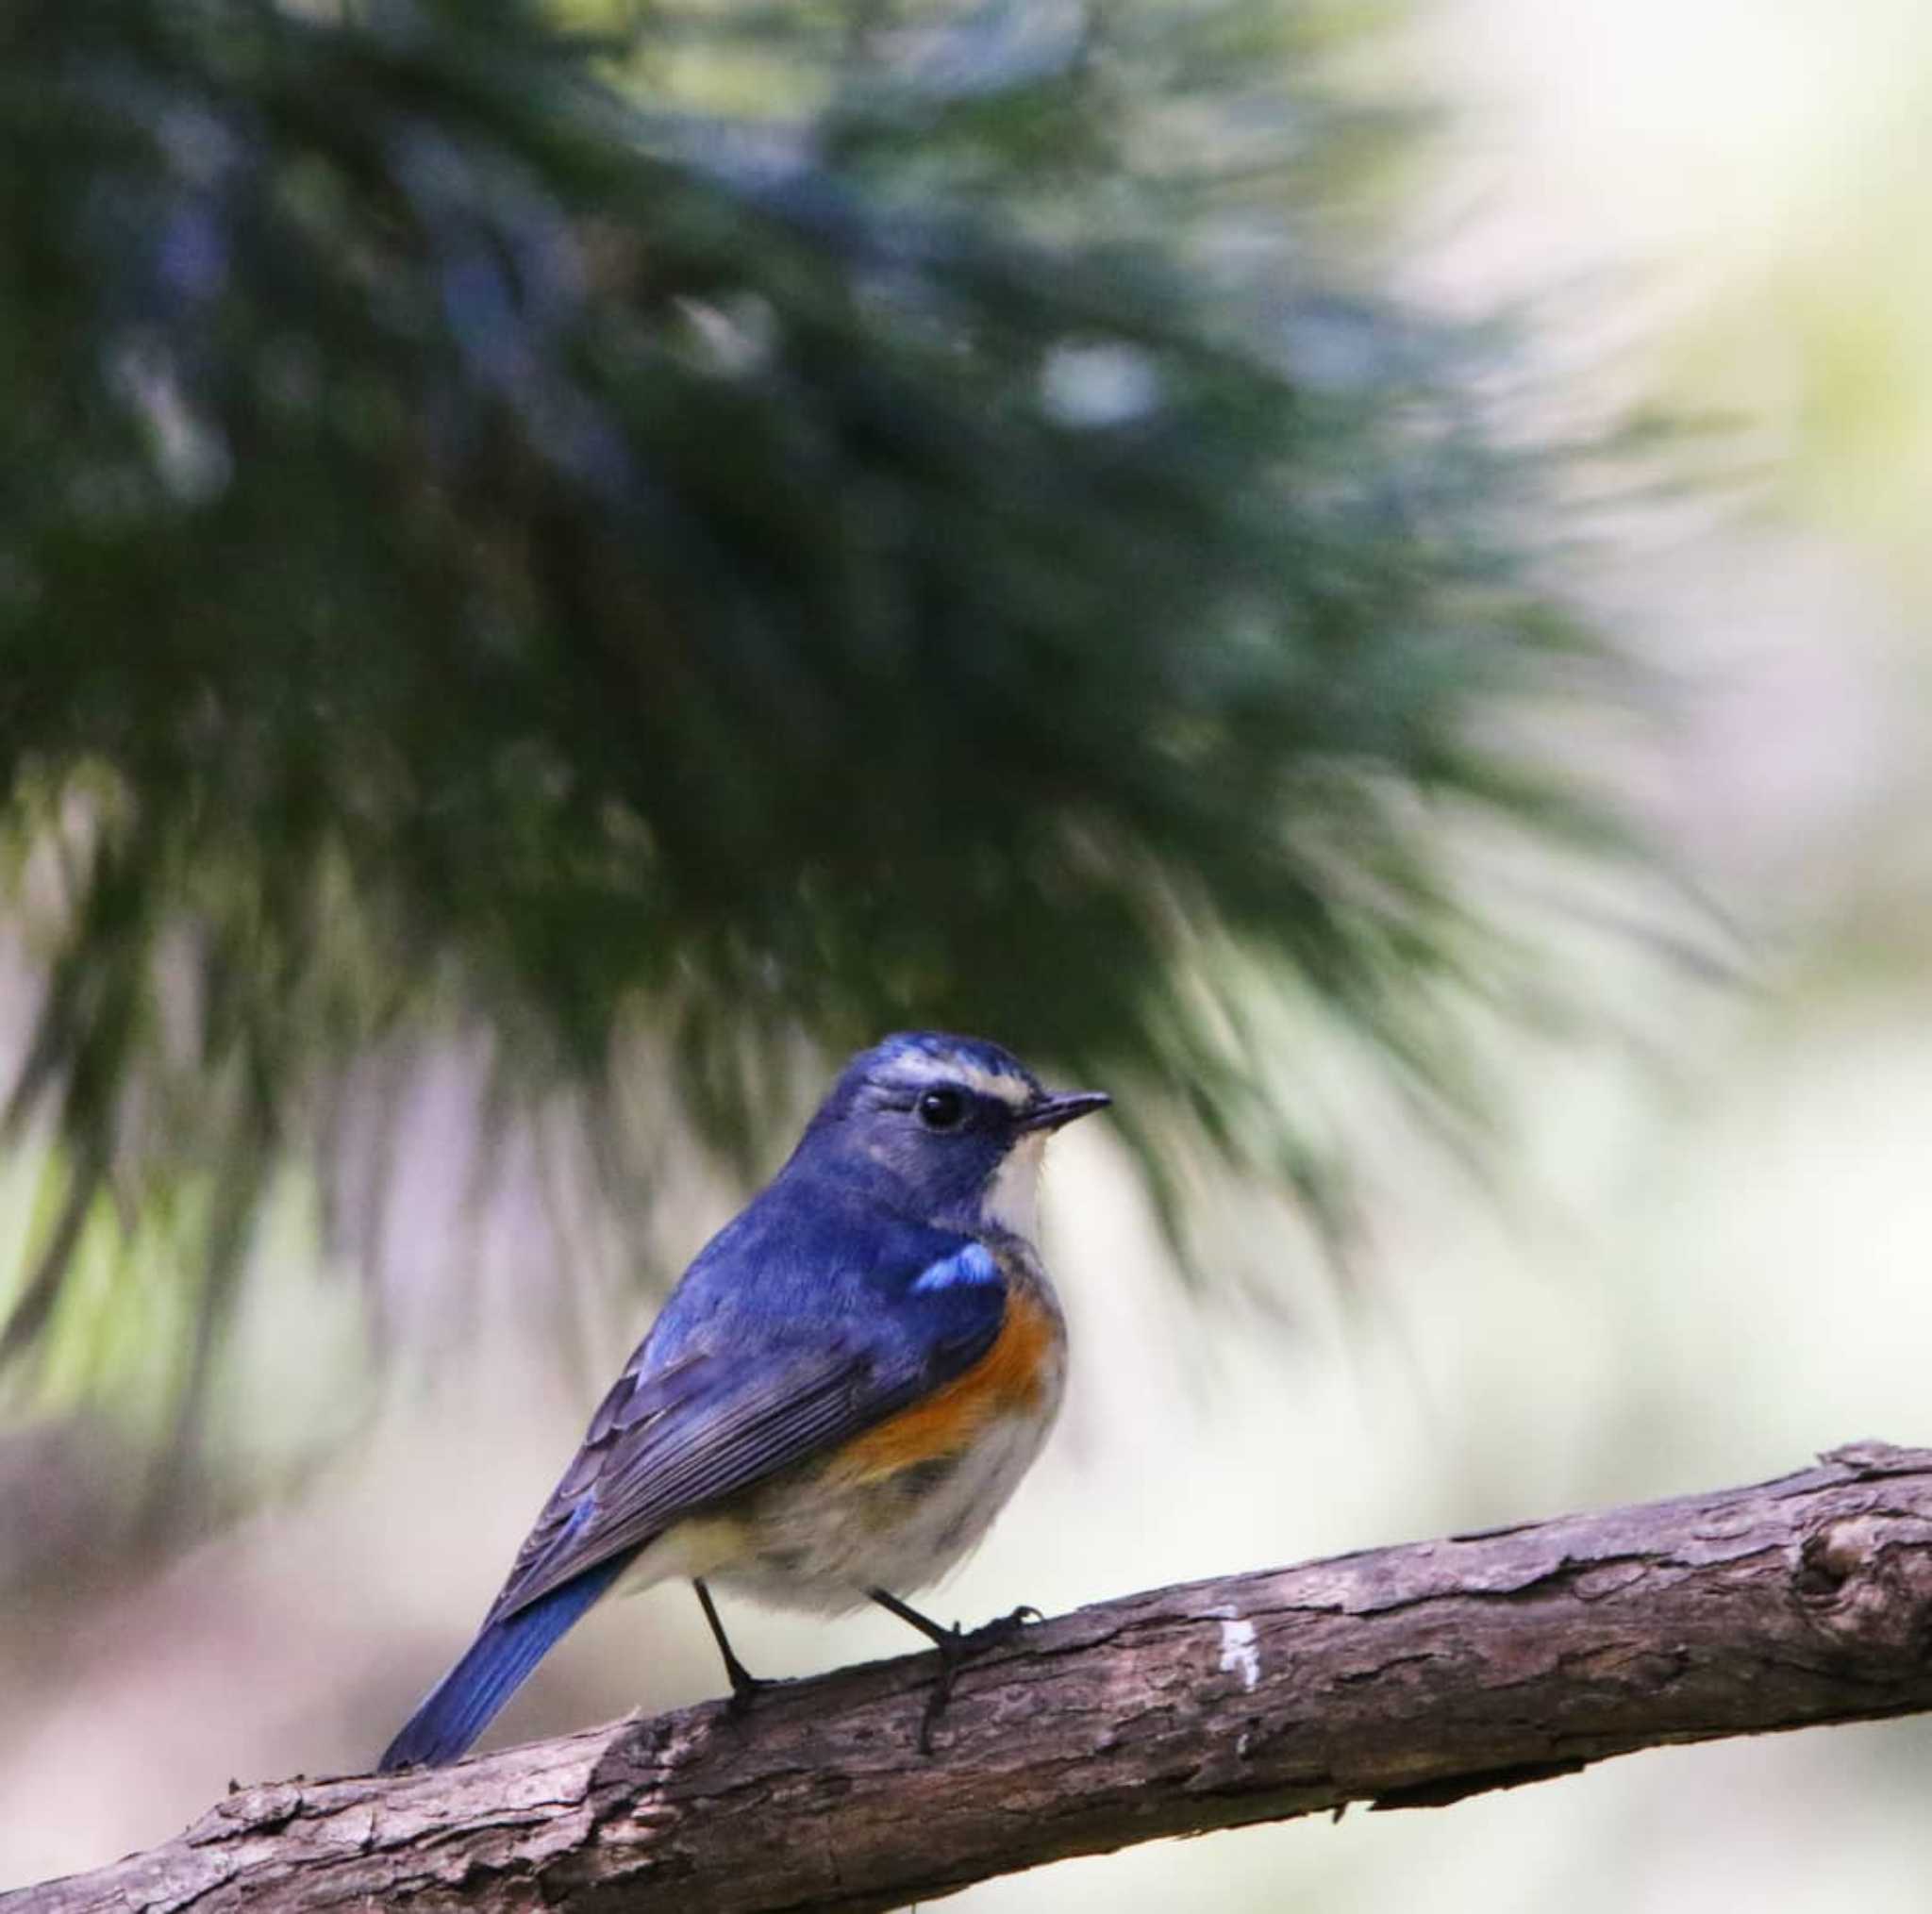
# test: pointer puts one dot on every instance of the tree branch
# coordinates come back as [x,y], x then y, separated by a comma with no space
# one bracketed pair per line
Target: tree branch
[1402,1677]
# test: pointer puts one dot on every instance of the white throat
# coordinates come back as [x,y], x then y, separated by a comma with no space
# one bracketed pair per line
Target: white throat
[1012,1198]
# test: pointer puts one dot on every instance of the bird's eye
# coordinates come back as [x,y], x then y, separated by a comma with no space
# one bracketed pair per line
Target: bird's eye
[941,1109]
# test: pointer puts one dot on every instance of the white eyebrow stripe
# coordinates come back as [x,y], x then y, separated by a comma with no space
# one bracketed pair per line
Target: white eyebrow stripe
[916,1068]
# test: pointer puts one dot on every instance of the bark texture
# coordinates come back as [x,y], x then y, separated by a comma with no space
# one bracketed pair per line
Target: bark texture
[1402,1677]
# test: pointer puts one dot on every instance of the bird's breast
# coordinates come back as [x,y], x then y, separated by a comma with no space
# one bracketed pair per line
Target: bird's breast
[902,1503]
[1021,1376]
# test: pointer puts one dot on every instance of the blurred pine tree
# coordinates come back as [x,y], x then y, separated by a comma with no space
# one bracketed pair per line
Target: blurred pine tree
[757,522]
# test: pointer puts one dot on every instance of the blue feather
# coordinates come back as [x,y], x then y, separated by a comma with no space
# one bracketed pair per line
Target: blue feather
[973,1264]
[463,1703]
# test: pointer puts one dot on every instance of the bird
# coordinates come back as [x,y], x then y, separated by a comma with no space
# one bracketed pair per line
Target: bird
[837,1398]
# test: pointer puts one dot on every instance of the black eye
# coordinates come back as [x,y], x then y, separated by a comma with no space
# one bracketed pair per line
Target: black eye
[941,1109]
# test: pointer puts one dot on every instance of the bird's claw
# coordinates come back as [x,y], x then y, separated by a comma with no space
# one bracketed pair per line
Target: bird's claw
[956,1647]
[996,1633]
[745,1688]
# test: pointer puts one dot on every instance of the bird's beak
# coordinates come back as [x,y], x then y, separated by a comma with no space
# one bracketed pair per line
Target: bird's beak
[1051,1112]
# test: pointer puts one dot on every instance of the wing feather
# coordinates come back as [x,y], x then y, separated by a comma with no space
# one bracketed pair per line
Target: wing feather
[674,1438]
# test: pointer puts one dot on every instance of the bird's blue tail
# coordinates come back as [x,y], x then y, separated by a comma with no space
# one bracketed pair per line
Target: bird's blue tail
[463,1703]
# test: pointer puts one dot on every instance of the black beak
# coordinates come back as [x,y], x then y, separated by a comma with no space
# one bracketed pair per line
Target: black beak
[1051,1112]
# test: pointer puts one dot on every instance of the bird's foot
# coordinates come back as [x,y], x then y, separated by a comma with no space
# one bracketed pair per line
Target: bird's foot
[956,1647]
[996,1633]
[746,1688]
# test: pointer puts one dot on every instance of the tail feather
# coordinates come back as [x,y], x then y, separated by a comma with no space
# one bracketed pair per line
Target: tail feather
[465,1700]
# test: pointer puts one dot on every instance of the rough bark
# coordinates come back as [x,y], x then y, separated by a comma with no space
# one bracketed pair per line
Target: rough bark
[1401,1677]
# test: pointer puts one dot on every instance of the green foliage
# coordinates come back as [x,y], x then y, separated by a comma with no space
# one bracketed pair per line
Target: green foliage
[487,534]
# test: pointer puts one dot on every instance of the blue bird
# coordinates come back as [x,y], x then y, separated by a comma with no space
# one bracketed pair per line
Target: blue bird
[837,1398]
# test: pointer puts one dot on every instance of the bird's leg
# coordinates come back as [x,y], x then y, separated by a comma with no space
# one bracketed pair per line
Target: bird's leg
[744,1684]
[957,1646]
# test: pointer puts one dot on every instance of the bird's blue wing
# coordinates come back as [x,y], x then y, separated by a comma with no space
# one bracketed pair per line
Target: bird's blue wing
[792,1332]
[747,1374]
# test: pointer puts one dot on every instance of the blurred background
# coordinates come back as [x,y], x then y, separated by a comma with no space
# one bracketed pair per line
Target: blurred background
[1352,574]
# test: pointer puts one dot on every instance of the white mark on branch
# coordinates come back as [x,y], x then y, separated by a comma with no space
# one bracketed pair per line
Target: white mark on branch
[1239,1655]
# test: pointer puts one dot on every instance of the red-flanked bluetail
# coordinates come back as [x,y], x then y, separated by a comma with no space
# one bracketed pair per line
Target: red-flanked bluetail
[835,1401]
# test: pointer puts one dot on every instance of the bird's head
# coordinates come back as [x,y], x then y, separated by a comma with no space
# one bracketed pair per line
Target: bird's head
[950,1128]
